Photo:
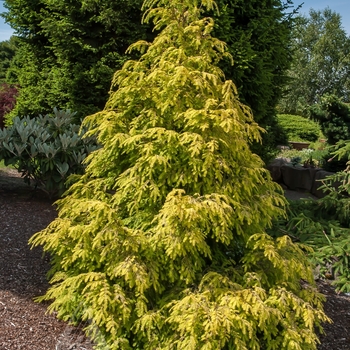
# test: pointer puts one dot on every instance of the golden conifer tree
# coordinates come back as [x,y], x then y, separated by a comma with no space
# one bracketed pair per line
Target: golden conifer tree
[162,242]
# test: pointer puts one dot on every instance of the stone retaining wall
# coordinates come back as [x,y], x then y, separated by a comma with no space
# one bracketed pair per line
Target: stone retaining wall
[298,178]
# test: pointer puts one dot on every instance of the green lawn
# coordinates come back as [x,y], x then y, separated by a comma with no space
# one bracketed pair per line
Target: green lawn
[2,165]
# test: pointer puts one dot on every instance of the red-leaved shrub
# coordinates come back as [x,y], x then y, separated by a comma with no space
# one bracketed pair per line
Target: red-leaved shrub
[8,94]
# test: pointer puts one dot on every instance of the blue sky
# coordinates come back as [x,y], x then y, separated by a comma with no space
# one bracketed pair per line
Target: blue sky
[5,30]
[340,6]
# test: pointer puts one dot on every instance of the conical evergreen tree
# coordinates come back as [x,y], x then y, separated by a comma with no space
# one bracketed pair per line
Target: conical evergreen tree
[162,242]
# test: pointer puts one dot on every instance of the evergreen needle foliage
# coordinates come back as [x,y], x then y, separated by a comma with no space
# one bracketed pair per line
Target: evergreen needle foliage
[161,243]
[324,225]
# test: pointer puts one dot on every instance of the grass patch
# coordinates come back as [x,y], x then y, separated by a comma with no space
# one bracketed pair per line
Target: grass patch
[3,166]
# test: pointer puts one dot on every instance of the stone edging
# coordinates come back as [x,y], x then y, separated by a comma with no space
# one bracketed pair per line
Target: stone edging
[298,178]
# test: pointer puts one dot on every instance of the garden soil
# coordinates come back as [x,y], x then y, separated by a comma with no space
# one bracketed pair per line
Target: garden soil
[26,325]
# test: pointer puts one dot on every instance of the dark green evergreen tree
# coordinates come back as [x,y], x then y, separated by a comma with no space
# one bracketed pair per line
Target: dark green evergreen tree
[258,35]
[334,118]
[8,50]
[70,50]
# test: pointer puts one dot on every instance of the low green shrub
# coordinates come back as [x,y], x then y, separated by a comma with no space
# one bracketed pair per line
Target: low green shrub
[299,128]
[319,145]
[45,149]
[2,164]
[334,118]
[310,223]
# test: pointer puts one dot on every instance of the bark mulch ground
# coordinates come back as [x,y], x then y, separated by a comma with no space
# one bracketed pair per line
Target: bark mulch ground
[25,324]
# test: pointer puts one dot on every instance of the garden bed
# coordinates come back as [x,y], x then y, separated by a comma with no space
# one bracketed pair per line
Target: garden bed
[297,177]
[25,325]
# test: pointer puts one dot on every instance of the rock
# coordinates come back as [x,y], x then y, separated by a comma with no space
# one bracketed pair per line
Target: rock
[282,147]
[298,178]
[275,168]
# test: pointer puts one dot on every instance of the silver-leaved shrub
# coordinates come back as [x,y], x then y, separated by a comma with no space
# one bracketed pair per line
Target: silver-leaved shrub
[46,149]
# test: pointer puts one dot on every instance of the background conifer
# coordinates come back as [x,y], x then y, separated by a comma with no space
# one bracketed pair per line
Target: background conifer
[161,244]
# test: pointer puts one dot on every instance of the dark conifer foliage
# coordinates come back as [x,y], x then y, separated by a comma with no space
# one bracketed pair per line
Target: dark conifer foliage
[71,49]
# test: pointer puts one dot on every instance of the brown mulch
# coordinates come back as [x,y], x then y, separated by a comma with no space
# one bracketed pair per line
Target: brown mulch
[25,324]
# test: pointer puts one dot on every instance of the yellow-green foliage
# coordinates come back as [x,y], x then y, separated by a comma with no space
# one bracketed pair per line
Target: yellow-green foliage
[298,128]
[161,244]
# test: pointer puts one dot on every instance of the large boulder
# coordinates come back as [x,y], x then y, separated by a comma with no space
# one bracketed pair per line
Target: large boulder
[297,178]
[275,168]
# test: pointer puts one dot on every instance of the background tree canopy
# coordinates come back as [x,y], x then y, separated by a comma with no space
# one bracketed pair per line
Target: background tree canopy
[8,49]
[321,62]
[258,35]
[69,51]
